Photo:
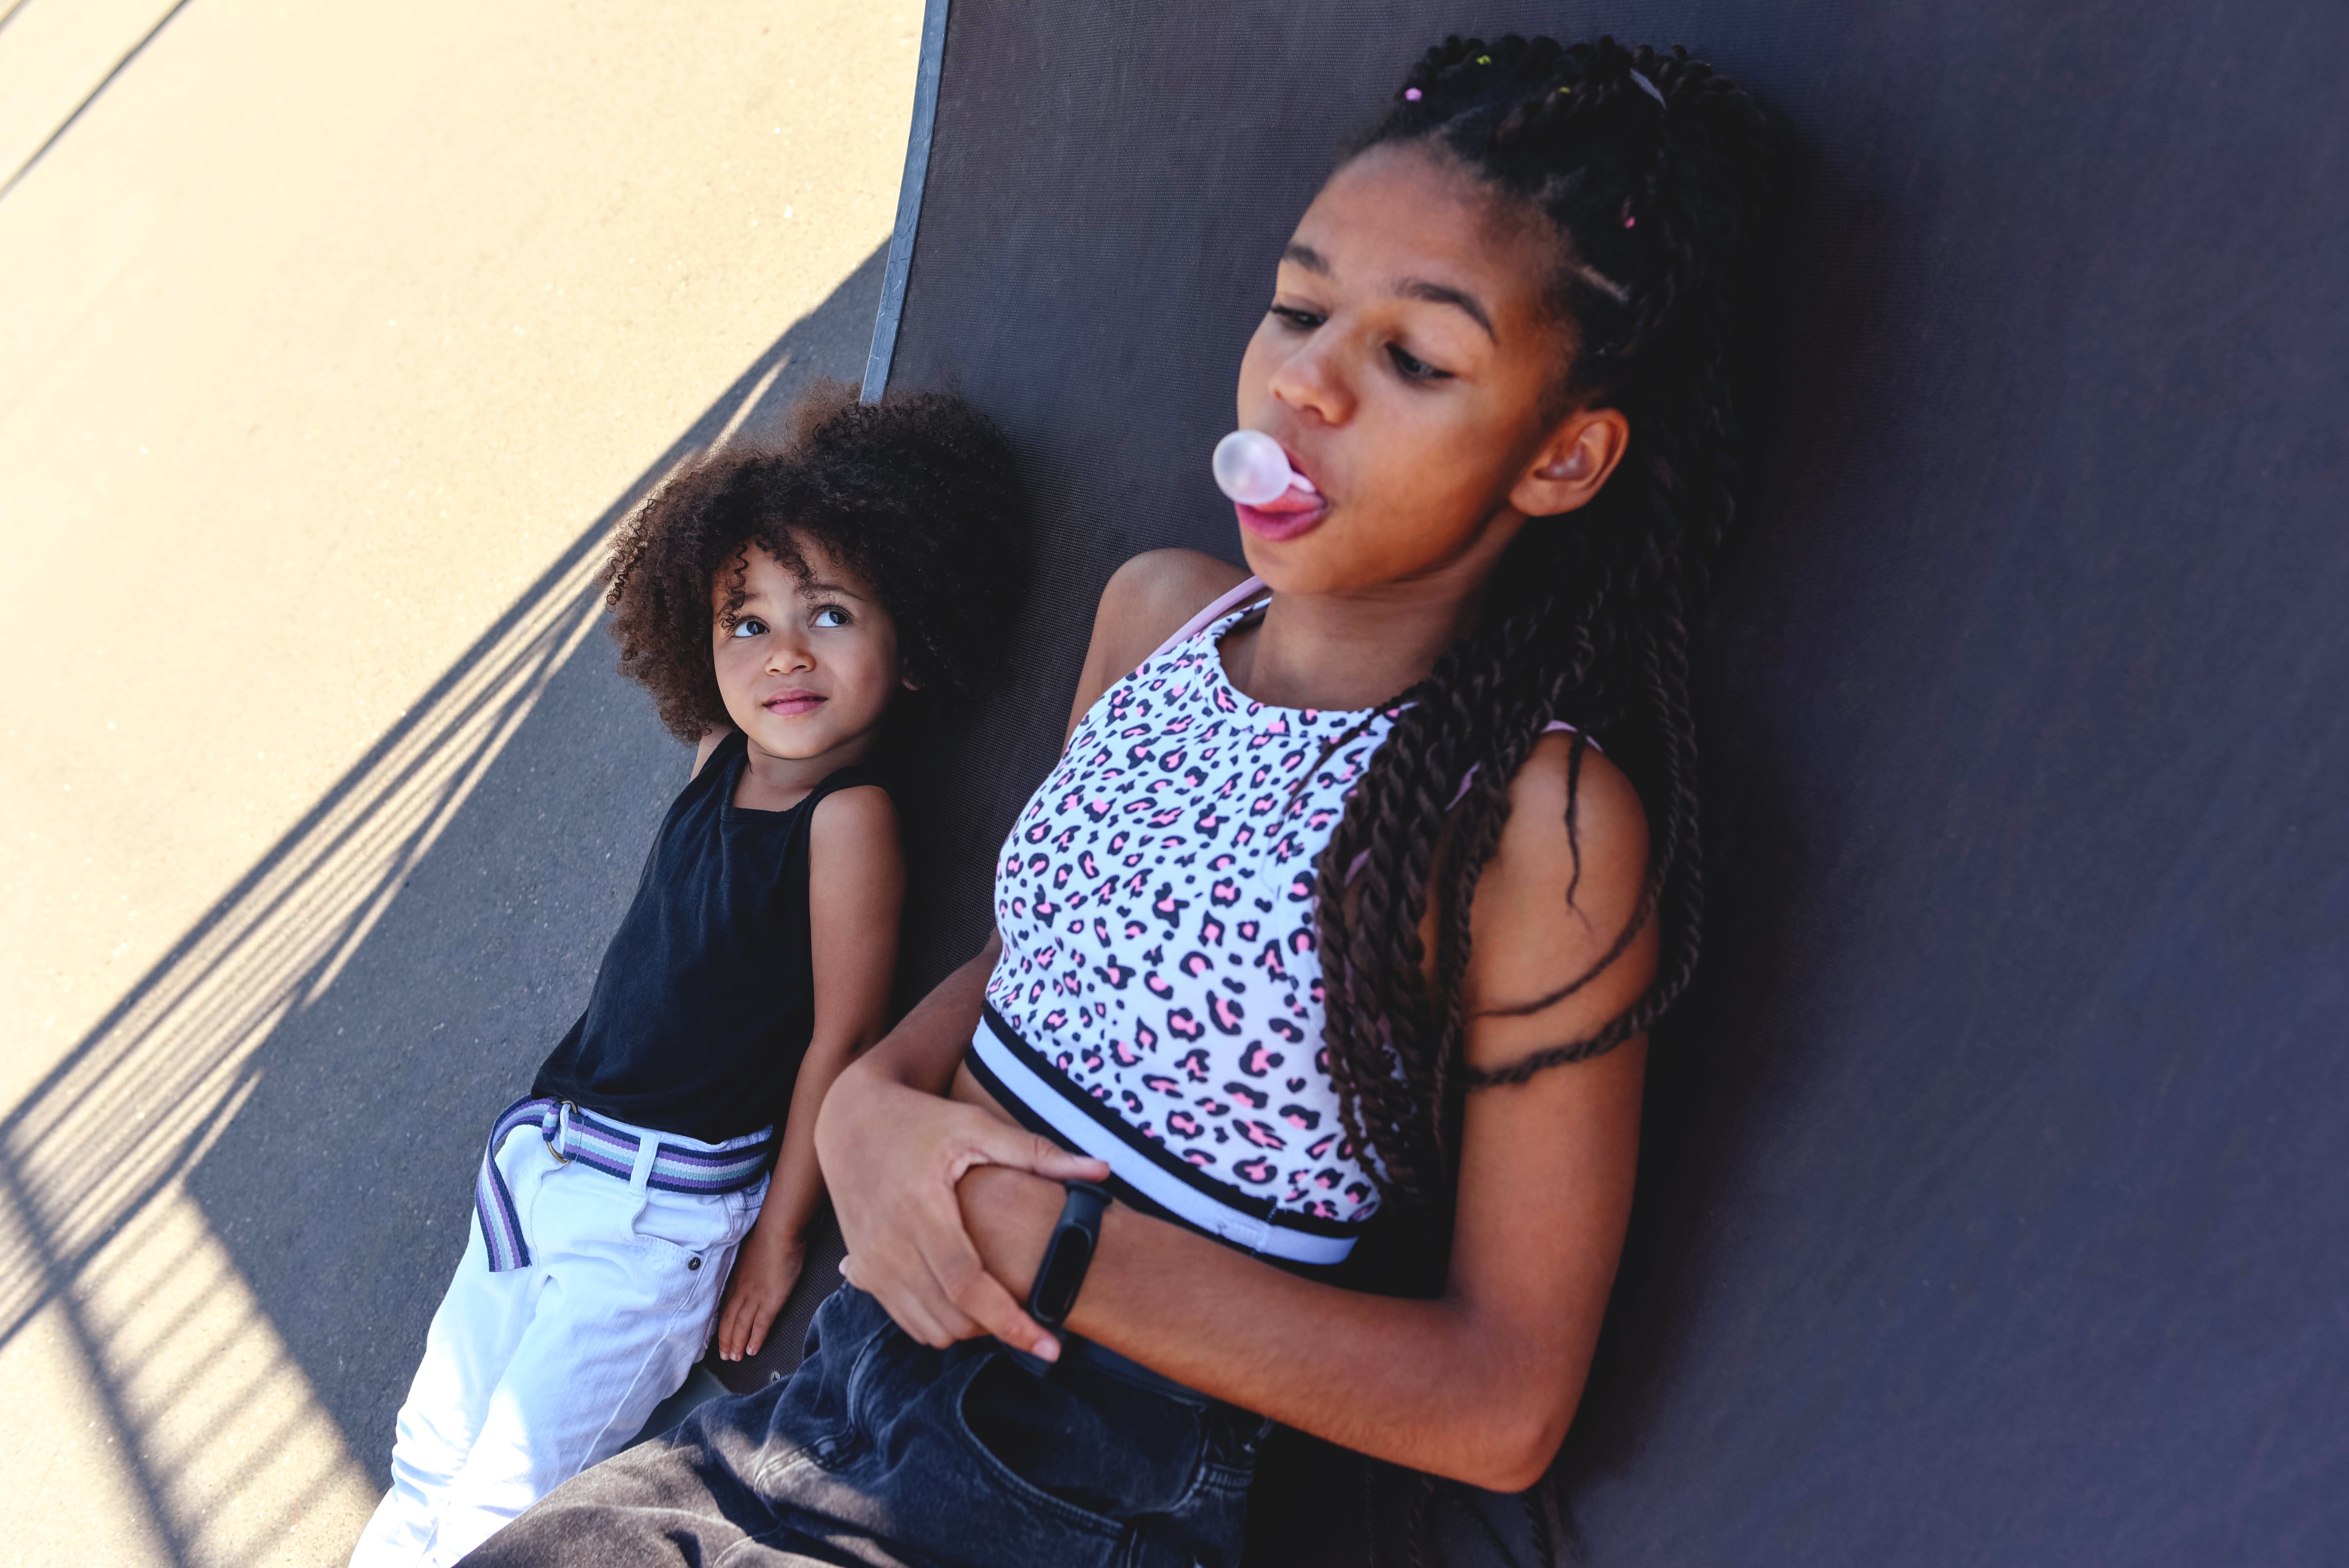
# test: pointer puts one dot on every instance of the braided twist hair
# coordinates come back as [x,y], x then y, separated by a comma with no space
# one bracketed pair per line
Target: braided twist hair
[1652,172]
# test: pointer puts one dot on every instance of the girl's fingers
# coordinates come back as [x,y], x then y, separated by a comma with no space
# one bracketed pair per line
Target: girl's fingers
[942,1322]
[762,1320]
[1064,1166]
[904,1225]
[876,1274]
[912,1314]
[1004,1144]
[734,1331]
[981,1301]
[726,1317]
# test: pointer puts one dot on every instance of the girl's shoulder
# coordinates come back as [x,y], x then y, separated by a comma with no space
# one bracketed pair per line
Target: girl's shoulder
[854,819]
[712,742]
[1145,601]
[1552,781]
[1155,594]
[1564,882]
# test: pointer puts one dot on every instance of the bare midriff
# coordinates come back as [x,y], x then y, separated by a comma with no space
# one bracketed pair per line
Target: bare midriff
[971,1091]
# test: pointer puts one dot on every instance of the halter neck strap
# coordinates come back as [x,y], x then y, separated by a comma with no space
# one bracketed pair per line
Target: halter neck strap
[1223,605]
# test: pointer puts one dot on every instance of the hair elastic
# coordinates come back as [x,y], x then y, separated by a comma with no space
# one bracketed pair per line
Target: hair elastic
[1411,94]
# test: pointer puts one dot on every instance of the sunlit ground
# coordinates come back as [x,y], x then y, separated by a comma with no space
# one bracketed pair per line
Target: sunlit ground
[330,344]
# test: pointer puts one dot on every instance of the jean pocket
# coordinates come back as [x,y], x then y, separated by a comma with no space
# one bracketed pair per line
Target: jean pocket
[744,1204]
[811,1415]
[1091,1449]
[669,1221]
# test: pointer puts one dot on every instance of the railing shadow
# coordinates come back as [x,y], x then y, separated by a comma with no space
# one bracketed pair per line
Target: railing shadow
[244,1187]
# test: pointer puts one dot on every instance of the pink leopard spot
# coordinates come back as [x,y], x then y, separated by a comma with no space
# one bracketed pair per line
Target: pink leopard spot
[1257,1061]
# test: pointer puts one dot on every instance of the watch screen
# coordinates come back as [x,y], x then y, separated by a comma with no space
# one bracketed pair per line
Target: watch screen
[1064,1269]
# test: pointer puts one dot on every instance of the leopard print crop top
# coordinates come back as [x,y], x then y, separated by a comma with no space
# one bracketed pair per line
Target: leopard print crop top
[1159,996]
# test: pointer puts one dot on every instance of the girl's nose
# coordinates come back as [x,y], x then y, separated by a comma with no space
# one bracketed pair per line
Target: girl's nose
[1311,383]
[787,651]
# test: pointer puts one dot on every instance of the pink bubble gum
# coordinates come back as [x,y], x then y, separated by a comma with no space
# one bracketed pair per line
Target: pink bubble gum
[1251,468]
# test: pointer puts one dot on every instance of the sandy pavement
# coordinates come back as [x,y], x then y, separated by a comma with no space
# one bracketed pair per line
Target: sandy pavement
[331,340]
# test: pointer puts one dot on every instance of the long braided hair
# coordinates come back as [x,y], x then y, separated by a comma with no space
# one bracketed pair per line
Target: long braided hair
[1651,170]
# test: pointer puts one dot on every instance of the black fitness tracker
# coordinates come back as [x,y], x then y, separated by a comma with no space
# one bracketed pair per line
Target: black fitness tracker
[1067,1254]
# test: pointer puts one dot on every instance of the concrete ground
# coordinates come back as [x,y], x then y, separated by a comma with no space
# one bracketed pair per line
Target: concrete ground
[332,340]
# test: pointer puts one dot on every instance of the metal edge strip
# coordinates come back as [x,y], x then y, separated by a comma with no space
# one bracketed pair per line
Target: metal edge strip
[909,201]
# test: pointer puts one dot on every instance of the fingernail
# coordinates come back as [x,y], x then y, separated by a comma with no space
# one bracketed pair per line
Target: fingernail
[1048,1350]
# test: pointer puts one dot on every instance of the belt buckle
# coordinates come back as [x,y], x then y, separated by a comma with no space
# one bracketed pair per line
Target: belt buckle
[562,1130]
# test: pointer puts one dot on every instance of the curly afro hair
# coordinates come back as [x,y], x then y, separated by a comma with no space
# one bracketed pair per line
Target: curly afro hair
[915,492]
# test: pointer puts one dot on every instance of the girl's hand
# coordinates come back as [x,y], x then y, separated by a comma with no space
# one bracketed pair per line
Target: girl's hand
[765,1269]
[892,1155]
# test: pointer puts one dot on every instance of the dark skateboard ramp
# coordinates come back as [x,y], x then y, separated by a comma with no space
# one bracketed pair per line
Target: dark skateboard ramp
[1991,1209]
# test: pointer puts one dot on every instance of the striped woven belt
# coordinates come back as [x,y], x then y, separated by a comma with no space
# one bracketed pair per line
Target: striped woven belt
[582,1136]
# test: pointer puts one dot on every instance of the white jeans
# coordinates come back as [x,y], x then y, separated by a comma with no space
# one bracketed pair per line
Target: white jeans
[533,1375]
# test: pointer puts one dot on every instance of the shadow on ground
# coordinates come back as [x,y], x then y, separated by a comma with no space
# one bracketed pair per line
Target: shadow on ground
[257,1170]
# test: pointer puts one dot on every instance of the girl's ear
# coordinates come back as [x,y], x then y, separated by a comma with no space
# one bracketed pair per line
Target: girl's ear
[1573,463]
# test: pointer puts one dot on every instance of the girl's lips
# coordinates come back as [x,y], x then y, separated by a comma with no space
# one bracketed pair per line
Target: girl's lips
[791,704]
[1294,512]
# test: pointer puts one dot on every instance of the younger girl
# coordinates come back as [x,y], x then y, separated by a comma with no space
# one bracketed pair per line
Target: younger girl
[1333,941]
[776,603]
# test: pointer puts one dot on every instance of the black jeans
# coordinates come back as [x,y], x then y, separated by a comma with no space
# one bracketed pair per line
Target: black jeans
[881,1452]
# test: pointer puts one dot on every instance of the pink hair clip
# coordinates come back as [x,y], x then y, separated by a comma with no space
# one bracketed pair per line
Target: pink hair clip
[1411,94]
[1630,221]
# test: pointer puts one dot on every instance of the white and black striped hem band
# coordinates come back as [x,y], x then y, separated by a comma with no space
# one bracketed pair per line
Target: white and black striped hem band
[1274,1234]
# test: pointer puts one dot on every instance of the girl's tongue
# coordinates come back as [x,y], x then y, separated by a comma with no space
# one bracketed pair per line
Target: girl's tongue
[1294,512]
[1296,498]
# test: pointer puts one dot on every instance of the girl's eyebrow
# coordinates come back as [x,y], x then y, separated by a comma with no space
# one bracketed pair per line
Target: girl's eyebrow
[1444,294]
[1306,256]
[1314,261]
[811,589]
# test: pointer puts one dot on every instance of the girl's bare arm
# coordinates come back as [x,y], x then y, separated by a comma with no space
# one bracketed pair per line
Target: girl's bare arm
[893,1147]
[856,892]
[1480,1383]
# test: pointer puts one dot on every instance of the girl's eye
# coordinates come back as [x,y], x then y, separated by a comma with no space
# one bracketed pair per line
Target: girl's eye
[1297,320]
[830,616]
[1411,368]
[749,626]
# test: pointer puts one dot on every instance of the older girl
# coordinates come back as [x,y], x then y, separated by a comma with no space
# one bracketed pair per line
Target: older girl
[1332,943]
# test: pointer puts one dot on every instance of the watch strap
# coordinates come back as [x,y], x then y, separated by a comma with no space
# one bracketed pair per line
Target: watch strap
[1069,1254]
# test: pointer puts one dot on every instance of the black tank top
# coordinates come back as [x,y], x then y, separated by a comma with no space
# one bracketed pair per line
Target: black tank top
[706,997]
